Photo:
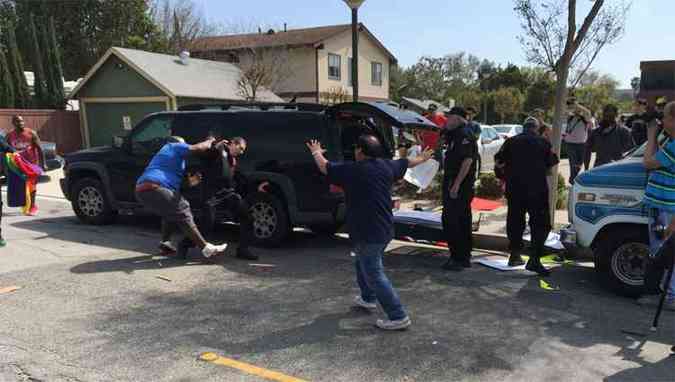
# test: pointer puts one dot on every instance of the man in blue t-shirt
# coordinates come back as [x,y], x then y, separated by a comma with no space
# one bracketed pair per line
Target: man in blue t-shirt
[660,195]
[159,191]
[368,183]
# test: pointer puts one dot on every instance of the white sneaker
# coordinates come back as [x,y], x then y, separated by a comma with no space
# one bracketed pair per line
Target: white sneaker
[212,250]
[361,303]
[401,324]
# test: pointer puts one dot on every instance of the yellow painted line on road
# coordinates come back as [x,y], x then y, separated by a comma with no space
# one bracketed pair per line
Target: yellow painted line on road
[247,368]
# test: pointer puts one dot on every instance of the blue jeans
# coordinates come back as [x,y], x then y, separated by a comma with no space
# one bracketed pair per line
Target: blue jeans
[576,153]
[659,217]
[374,284]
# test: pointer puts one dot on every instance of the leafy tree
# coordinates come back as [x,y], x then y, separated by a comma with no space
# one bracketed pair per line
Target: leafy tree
[6,87]
[39,83]
[21,92]
[56,72]
[553,39]
[508,102]
[635,85]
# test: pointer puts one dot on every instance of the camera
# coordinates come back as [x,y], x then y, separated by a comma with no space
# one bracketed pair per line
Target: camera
[651,114]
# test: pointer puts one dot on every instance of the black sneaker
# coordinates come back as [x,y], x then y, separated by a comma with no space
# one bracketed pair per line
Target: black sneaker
[183,249]
[516,261]
[454,266]
[245,254]
[535,266]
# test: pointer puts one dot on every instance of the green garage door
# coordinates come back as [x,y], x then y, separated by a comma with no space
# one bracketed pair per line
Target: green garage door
[105,120]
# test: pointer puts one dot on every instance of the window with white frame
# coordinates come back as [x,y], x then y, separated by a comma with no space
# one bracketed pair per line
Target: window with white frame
[376,73]
[334,70]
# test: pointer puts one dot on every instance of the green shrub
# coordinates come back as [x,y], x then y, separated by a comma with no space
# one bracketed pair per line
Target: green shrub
[489,186]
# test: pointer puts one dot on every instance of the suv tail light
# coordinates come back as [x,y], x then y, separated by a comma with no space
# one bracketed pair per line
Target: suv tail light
[333,189]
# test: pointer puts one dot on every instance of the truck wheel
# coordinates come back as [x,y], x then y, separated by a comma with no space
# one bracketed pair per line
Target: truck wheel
[90,202]
[271,225]
[621,258]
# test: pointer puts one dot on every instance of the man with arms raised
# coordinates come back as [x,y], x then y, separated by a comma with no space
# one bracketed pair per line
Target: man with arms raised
[367,184]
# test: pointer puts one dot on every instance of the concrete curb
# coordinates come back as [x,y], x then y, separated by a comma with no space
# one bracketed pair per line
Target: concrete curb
[490,241]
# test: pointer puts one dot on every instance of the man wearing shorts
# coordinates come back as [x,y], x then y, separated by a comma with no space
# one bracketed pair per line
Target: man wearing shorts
[159,191]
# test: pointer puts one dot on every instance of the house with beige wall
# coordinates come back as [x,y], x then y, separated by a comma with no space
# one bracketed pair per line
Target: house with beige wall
[314,64]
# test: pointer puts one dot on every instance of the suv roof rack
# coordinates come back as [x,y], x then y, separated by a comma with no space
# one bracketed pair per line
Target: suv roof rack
[263,106]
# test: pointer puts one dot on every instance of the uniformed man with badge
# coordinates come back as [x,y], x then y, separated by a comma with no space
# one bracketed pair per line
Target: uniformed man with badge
[458,188]
[526,160]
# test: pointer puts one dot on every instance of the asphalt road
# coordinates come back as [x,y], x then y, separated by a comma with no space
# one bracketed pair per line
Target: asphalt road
[95,305]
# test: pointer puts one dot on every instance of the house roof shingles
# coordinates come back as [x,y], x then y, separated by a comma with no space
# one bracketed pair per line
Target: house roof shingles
[291,37]
[198,79]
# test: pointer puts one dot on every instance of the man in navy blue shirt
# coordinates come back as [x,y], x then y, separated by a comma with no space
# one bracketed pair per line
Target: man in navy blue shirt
[368,183]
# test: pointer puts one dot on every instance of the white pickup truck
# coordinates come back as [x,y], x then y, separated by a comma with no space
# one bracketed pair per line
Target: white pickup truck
[606,215]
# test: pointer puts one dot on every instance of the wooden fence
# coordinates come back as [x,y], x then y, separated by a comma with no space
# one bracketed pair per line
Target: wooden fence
[58,126]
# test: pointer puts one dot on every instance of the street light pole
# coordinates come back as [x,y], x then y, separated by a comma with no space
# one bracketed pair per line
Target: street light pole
[355,54]
[354,5]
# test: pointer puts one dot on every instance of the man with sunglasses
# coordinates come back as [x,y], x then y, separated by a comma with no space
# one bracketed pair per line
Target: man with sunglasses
[222,174]
[367,183]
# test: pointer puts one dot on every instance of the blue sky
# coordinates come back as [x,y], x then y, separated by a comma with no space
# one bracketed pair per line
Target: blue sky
[485,28]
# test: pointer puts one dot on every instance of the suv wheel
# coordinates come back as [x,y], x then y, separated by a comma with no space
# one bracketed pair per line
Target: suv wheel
[621,257]
[90,202]
[271,225]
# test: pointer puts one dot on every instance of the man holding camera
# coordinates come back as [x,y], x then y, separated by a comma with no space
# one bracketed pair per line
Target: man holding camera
[660,195]
[636,122]
[527,159]
[579,125]
[370,222]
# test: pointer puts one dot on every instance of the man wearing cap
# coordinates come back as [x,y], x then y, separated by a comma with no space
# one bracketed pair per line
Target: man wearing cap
[458,189]
[367,183]
[527,159]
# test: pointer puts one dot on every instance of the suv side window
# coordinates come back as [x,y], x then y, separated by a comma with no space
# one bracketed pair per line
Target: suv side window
[149,137]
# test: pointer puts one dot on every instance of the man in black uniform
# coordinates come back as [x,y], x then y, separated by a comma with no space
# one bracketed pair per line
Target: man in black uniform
[458,188]
[527,159]
[227,184]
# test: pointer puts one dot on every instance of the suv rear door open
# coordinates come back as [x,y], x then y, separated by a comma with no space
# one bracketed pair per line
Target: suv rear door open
[354,119]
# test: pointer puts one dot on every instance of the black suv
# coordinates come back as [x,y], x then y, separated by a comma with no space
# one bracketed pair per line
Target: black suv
[100,181]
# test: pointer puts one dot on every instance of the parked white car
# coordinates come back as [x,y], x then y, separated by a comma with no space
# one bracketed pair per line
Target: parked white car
[489,143]
[508,131]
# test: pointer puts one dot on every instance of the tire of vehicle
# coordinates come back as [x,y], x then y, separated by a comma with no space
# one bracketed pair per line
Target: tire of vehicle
[271,225]
[620,259]
[90,202]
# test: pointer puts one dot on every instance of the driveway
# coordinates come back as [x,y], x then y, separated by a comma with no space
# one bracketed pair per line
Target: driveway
[96,305]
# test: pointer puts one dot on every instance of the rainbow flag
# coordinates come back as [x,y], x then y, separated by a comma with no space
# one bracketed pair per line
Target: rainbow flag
[23,171]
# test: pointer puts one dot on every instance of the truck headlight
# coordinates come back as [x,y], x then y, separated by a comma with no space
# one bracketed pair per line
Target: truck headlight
[586,197]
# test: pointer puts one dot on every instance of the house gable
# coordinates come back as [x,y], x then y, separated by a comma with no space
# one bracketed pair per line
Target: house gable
[114,78]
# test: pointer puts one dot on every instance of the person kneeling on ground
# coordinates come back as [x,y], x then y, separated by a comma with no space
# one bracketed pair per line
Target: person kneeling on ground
[158,189]
[370,222]
[527,159]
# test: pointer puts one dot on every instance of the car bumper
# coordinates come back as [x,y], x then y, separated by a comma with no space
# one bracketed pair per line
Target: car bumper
[568,237]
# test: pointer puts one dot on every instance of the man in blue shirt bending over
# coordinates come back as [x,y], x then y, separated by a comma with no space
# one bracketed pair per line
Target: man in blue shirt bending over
[159,191]
[370,222]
